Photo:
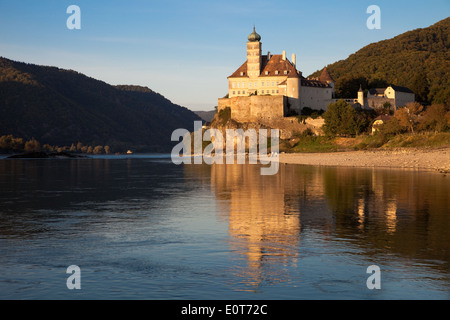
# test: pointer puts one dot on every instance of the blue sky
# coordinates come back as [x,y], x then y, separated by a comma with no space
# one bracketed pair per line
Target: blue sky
[185,49]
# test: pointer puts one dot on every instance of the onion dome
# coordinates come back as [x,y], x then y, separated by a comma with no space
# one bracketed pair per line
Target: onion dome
[254,37]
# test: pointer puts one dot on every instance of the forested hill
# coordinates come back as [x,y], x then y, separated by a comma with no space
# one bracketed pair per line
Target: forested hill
[61,107]
[418,59]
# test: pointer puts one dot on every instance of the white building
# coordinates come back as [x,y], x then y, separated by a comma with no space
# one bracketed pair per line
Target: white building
[396,96]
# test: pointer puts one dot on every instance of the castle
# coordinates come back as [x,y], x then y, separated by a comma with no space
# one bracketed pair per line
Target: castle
[268,87]
[392,96]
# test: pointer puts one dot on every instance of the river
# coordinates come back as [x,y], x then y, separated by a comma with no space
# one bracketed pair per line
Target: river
[140,227]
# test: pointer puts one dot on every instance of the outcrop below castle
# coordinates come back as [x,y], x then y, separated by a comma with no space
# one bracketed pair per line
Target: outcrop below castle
[288,126]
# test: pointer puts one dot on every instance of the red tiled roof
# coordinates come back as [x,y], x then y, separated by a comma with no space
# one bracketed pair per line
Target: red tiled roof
[314,83]
[276,63]
[240,72]
[325,76]
[383,118]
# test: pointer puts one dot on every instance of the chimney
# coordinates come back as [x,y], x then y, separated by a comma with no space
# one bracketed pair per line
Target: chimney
[284,55]
[268,55]
[293,59]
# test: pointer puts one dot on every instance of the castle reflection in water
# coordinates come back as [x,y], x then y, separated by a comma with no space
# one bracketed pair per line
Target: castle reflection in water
[399,212]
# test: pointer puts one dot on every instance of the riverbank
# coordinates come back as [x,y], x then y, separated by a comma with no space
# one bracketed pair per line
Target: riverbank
[424,159]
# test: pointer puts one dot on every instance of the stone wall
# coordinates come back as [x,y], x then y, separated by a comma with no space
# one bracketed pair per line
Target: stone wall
[378,102]
[255,108]
[403,98]
[316,98]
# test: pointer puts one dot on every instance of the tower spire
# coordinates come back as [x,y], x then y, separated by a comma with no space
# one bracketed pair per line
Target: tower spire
[253,37]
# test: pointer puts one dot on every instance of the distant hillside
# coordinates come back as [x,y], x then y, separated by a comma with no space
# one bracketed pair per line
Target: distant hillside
[418,59]
[61,107]
[206,115]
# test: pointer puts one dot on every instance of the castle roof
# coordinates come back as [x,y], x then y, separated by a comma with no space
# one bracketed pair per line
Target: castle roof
[314,83]
[325,76]
[380,91]
[377,91]
[273,67]
[401,89]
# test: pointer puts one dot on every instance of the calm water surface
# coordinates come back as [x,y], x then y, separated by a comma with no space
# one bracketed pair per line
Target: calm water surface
[140,227]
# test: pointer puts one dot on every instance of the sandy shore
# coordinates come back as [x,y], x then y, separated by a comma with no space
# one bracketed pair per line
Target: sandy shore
[432,159]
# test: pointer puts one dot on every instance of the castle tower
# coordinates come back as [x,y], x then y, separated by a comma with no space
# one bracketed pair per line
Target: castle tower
[361,96]
[325,76]
[254,57]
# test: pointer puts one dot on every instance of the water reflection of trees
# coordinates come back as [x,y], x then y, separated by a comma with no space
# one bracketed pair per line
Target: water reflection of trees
[35,195]
[403,212]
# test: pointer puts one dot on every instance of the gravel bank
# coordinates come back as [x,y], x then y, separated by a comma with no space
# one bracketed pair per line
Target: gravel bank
[424,159]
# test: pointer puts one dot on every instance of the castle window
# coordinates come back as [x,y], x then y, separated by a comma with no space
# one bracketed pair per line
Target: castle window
[243,85]
[276,72]
[263,91]
[262,84]
[268,83]
[273,84]
[250,84]
[267,72]
[242,73]
[239,92]
[285,71]
[234,92]
[273,91]
[238,84]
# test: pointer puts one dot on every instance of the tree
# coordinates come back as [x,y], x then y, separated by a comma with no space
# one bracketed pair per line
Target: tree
[364,118]
[341,119]
[434,118]
[378,83]
[98,150]
[408,116]
[420,87]
[8,142]
[348,87]
[32,145]
[387,108]
[391,127]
